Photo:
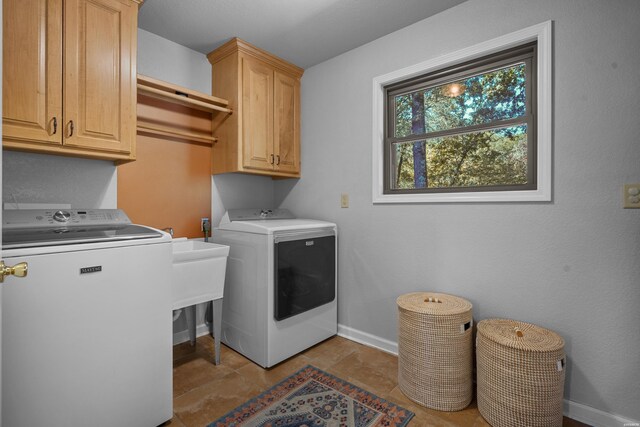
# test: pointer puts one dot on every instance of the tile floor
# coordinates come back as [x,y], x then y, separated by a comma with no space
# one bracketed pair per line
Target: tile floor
[202,392]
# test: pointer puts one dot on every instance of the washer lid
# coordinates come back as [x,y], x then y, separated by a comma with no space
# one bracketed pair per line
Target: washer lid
[36,237]
[49,227]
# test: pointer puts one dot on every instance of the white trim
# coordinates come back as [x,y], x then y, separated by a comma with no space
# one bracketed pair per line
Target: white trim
[183,336]
[577,411]
[368,339]
[595,417]
[543,34]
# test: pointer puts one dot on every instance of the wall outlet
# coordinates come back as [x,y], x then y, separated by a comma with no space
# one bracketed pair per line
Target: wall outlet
[344,200]
[631,196]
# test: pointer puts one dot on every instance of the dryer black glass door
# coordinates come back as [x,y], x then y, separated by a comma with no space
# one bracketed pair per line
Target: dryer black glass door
[305,275]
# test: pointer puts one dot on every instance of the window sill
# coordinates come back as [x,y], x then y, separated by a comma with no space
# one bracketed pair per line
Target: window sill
[470,197]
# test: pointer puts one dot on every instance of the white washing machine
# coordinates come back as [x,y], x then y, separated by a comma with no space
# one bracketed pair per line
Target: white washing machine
[86,335]
[280,294]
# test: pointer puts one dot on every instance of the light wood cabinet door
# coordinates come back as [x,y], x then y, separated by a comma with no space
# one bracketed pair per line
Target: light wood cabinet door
[100,74]
[262,136]
[257,114]
[32,72]
[286,121]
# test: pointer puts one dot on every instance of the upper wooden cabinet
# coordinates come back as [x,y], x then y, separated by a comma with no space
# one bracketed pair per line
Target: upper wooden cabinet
[69,77]
[262,136]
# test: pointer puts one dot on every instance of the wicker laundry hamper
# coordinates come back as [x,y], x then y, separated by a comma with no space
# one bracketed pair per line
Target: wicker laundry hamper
[435,350]
[520,370]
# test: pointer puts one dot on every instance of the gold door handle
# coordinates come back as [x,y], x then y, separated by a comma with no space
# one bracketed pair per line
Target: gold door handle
[18,270]
[271,158]
[70,128]
[277,159]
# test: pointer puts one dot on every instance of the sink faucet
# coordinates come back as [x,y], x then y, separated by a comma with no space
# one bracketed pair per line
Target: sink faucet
[206,228]
[169,230]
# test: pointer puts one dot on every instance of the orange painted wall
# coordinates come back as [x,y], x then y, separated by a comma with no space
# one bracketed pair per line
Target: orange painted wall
[169,184]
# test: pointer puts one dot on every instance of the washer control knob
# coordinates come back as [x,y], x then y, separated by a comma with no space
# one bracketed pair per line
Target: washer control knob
[61,216]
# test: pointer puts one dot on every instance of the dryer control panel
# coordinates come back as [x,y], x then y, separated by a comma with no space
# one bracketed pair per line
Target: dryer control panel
[256,214]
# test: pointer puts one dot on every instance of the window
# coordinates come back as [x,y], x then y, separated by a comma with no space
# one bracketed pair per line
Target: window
[467,129]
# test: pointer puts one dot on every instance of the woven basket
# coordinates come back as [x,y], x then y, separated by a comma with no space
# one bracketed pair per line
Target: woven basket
[435,350]
[520,370]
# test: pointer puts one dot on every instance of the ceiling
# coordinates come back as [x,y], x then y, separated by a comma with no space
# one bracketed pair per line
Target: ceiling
[304,32]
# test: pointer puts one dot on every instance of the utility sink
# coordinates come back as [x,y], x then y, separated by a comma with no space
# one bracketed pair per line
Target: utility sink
[198,272]
[197,276]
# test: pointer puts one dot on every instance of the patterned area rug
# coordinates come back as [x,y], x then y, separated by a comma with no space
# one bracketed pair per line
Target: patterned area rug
[314,398]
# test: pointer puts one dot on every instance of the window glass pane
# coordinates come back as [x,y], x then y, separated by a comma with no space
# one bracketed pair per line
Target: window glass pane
[480,99]
[404,165]
[487,158]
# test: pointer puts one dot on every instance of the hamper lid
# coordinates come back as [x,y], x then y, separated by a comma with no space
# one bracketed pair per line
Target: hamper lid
[520,335]
[433,303]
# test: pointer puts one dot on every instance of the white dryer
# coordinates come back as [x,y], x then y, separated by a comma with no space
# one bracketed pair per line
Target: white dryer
[281,283]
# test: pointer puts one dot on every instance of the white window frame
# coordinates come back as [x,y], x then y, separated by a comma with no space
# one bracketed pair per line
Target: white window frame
[542,34]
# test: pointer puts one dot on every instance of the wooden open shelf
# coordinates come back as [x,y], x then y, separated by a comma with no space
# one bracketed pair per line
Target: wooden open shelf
[174,112]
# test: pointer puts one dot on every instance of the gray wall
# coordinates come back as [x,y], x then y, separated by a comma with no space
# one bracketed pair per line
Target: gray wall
[570,265]
[231,191]
[165,60]
[42,178]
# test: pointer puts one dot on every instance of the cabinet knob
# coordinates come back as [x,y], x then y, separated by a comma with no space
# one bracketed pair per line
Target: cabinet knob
[271,157]
[277,159]
[55,126]
[70,128]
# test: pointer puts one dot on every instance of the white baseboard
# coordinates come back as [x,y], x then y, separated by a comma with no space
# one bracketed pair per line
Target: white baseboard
[579,412]
[596,417]
[183,336]
[368,339]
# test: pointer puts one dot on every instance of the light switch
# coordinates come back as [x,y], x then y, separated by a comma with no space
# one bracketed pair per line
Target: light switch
[631,196]
[344,200]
